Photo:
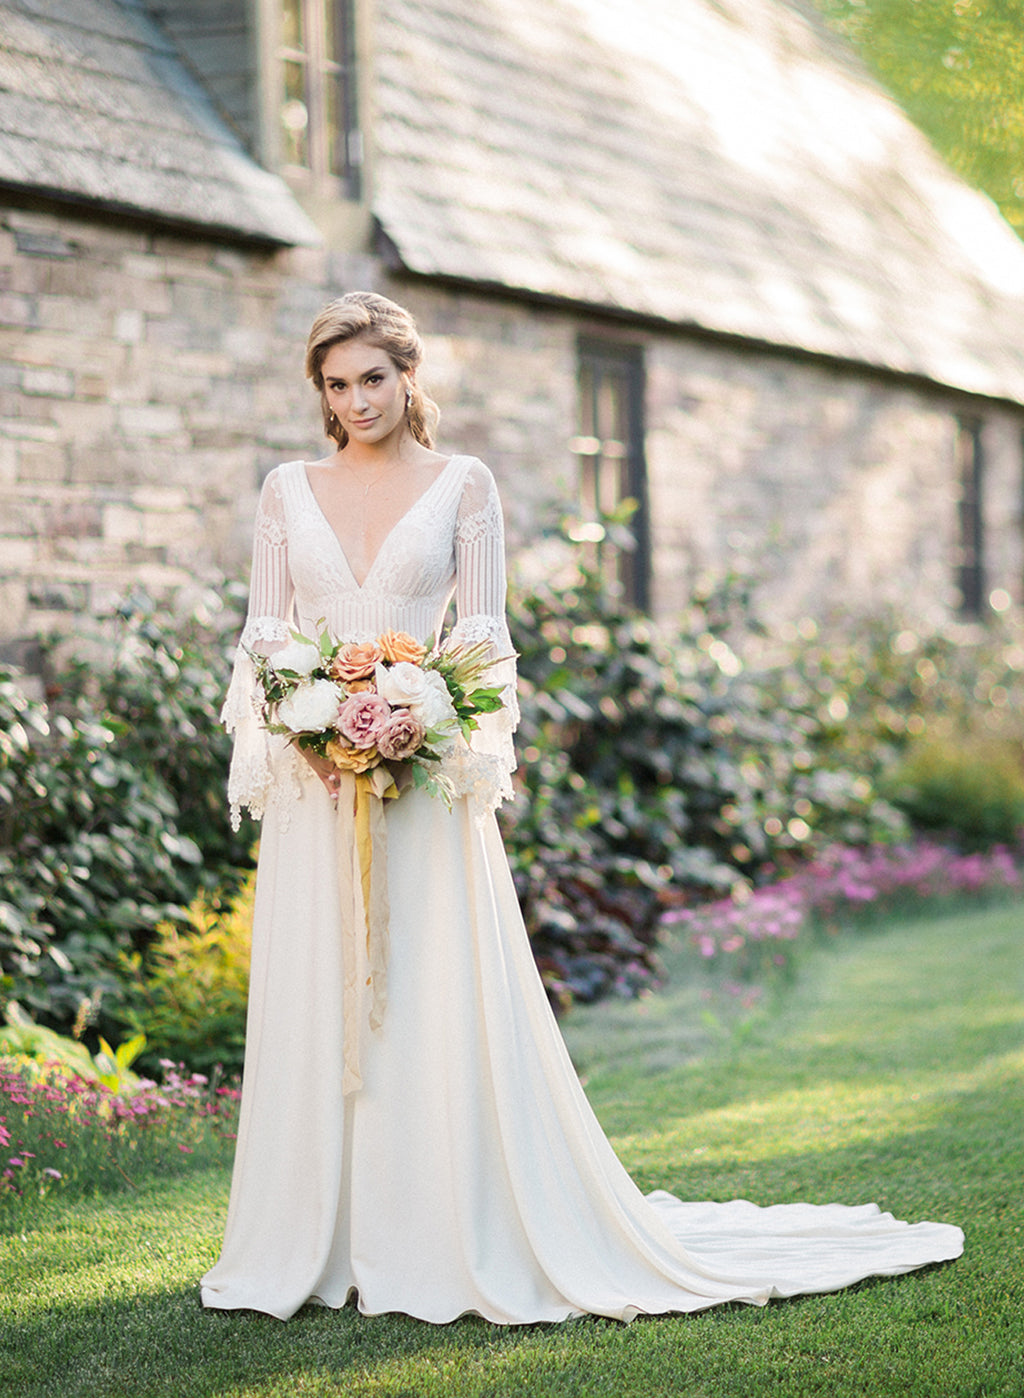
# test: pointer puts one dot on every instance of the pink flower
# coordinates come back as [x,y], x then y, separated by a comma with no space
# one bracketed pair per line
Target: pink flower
[401,736]
[362,718]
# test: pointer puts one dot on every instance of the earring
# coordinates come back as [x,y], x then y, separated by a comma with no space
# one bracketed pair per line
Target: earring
[408,398]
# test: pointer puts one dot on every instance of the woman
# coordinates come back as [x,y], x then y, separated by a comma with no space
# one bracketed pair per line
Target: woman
[446,1160]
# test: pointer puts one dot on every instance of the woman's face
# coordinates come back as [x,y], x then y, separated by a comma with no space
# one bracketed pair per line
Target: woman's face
[365,389]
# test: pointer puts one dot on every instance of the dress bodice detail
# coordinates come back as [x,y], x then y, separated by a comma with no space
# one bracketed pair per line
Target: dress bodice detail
[448,543]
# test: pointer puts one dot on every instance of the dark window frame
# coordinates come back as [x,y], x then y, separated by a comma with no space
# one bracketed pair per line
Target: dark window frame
[614,468]
[970,469]
[324,96]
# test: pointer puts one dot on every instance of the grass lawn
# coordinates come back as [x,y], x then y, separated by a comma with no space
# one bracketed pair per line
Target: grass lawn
[892,1071]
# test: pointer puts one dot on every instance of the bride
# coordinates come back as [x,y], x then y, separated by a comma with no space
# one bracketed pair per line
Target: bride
[446,1160]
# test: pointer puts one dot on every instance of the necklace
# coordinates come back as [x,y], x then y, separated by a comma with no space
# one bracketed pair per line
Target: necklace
[374,481]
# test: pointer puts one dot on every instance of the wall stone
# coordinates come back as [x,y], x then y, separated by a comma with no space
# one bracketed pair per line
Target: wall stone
[149,382]
[834,491]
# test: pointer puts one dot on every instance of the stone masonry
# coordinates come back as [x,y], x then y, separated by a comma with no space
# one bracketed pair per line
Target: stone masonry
[149,381]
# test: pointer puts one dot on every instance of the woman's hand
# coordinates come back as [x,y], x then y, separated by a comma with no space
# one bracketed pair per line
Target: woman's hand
[326,771]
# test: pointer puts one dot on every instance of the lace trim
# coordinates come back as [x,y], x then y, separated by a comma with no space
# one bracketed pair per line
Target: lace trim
[260,629]
[264,769]
[270,528]
[484,770]
[487,522]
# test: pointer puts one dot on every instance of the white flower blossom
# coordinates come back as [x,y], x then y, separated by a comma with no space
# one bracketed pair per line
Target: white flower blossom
[423,692]
[296,656]
[435,710]
[311,707]
[402,685]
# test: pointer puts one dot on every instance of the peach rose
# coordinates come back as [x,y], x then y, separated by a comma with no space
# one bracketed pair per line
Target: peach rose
[348,759]
[356,660]
[399,645]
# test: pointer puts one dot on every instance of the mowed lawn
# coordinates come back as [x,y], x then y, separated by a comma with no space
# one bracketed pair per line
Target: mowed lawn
[893,1071]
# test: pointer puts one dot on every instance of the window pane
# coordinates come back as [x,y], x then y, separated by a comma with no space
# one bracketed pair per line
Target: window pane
[295,115]
[293,34]
[334,123]
[610,453]
[341,112]
[972,520]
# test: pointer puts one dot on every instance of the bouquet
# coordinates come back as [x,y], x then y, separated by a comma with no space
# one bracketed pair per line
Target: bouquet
[390,712]
[393,703]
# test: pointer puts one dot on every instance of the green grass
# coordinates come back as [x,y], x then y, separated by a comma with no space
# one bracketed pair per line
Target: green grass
[892,1071]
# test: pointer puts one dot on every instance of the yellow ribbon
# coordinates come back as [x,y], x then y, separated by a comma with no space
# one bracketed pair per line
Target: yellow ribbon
[361,841]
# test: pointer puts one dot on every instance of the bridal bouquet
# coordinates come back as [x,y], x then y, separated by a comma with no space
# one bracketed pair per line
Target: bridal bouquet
[379,710]
[392,703]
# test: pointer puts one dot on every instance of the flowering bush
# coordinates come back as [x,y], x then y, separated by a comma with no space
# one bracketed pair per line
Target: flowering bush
[752,935]
[59,1129]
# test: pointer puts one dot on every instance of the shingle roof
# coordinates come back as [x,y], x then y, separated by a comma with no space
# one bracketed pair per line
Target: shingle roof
[720,164]
[95,106]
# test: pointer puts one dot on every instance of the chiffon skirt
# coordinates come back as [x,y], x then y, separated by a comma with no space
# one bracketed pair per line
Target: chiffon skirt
[469,1173]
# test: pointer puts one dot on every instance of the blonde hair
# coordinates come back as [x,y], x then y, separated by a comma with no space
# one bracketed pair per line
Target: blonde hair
[366,316]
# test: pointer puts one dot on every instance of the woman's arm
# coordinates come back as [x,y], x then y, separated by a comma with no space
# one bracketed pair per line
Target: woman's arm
[267,627]
[480,616]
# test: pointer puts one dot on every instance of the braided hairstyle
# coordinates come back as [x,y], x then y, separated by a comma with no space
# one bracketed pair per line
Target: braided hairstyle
[366,316]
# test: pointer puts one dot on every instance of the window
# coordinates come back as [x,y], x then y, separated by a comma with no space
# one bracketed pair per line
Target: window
[319,125]
[971,474]
[610,451]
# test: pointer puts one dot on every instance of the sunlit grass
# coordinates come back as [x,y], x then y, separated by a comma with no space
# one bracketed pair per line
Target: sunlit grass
[891,1071]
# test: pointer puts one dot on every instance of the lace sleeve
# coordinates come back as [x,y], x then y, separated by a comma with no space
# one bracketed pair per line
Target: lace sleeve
[480,609]
[266,628]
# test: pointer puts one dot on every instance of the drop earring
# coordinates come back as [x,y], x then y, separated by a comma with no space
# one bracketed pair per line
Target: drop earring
[408,398]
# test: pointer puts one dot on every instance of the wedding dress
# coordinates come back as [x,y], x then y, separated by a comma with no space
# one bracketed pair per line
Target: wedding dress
[468,1173]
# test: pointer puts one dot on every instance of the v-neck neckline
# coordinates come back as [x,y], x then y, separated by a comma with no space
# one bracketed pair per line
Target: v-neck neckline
[359,586]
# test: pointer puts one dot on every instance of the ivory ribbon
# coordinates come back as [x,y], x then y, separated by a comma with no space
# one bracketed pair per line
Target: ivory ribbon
[361,835]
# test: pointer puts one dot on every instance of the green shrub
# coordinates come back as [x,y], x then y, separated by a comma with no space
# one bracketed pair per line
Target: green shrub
[970,787]
[657,756]
[112,811]
[188,990]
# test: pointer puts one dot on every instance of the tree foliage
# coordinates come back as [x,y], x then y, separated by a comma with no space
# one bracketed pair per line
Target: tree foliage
[957,68]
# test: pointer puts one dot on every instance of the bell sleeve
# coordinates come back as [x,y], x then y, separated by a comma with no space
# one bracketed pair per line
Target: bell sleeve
[267,627]
[480,616]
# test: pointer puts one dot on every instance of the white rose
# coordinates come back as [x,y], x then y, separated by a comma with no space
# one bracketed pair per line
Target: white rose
[297,656]
[311,707]
[435,709]
[402,685]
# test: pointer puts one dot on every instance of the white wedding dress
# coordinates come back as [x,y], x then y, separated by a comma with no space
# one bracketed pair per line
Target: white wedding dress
[468,1173]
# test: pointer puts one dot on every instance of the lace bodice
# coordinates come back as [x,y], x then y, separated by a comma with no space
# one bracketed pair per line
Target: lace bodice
[449,542]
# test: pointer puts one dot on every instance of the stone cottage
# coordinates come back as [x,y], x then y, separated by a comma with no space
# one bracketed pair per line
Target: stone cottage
[701,261]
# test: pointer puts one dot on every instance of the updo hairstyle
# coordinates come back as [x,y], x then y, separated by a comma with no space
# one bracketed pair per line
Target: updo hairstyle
[366,316]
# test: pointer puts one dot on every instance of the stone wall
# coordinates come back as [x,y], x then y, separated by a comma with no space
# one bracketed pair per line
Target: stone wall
[148,382]
[836,491]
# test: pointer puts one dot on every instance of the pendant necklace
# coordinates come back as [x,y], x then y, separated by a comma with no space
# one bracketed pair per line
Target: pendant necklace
[366,488]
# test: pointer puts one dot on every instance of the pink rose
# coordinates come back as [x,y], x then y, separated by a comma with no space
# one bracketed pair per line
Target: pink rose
[401,736]
[362,717]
